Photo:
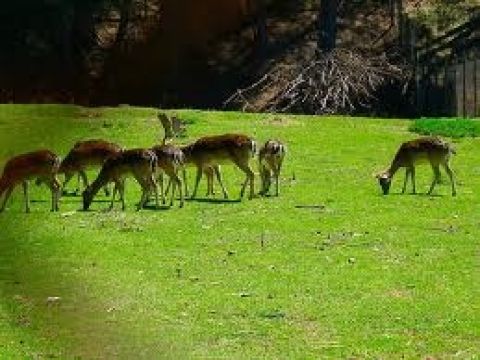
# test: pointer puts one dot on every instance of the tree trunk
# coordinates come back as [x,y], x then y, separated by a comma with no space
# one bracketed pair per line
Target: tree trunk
[260,29]
[327,25]
[400,21]
[82,38]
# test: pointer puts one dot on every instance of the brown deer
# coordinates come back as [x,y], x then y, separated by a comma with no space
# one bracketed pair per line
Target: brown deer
[432,150]
[41,165]
[170,159]
[174,127]
[213,150]
[140,163]
[270,160]
[84,155]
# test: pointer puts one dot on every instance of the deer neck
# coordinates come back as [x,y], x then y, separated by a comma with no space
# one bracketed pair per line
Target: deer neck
[392,169]
[4,183]
[98,183]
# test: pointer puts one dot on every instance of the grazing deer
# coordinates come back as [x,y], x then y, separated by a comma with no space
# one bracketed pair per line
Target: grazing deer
[42,165]
[213,150]
[170,160]
[270,159]
[141,163]
[432,150]
[86,154]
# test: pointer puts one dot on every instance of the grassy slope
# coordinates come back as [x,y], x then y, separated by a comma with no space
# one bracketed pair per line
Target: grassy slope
[368,276]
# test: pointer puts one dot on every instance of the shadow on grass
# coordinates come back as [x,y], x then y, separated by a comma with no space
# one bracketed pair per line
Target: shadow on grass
[153,207]
[416,194]
[214,201]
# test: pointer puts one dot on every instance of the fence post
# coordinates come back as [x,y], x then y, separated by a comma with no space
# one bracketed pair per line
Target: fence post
[464,83]
[475,86]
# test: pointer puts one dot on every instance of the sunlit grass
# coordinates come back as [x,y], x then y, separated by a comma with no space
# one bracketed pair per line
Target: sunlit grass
[330,269]
[456,128]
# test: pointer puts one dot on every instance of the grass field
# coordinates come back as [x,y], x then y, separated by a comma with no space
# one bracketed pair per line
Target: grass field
[330,269]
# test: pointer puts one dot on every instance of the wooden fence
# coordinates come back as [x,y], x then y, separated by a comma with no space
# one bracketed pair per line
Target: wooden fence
[447,73]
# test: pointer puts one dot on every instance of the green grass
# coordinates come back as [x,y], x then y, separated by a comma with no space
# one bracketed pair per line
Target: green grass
[455,128]
[351,274]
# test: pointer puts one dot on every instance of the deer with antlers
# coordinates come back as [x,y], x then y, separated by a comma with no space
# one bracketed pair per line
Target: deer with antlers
[140,163]
[170,159]
[84,155]
[432,150]
[270,160]
[42,165]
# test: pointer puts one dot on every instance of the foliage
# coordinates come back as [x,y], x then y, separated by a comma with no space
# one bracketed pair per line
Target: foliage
[441,15]
[330,268]
[455,128]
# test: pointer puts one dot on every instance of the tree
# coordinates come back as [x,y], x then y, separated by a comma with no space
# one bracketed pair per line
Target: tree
[327,25]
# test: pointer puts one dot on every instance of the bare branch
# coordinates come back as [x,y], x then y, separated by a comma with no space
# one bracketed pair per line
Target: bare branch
[335,82]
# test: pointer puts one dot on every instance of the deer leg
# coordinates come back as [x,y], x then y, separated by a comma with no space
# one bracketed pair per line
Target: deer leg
[197,181]
[262,181]
[121,190]
[163,191]
[218,174]
[68,177]
[58,188]
[412,176]
[25,195]
[55,188]
[174,188]
[209,173]
[154,186]
[162,188]
[277,175]
[179,183]
[82,175]
[436,176]
[7,196]
[184,180]
[405,181]
[449,172]
[145,191]
[114,193]
[265,176]
[249,178]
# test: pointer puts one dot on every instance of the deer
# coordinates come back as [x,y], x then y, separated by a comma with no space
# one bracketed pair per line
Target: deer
[210,151]
[173,127]
[140,163]
[170,159]
[432,150]
[84,155]
[270,160]
[42,165]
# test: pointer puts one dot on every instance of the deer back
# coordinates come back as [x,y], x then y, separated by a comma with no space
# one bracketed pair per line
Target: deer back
[425,149]
[220,148]
[88,153]
[32,164]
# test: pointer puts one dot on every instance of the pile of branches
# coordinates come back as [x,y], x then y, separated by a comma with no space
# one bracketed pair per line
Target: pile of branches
[339,81]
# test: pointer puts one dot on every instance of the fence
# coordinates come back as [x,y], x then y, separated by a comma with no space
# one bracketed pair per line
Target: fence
[447,73]
[451,89]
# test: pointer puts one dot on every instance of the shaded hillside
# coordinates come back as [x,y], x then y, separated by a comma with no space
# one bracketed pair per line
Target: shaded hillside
[168,53]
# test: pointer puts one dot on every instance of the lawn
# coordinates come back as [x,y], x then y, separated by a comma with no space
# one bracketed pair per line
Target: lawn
[330,269]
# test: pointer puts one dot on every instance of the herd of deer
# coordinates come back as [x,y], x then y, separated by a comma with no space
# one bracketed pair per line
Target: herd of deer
[147,166]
